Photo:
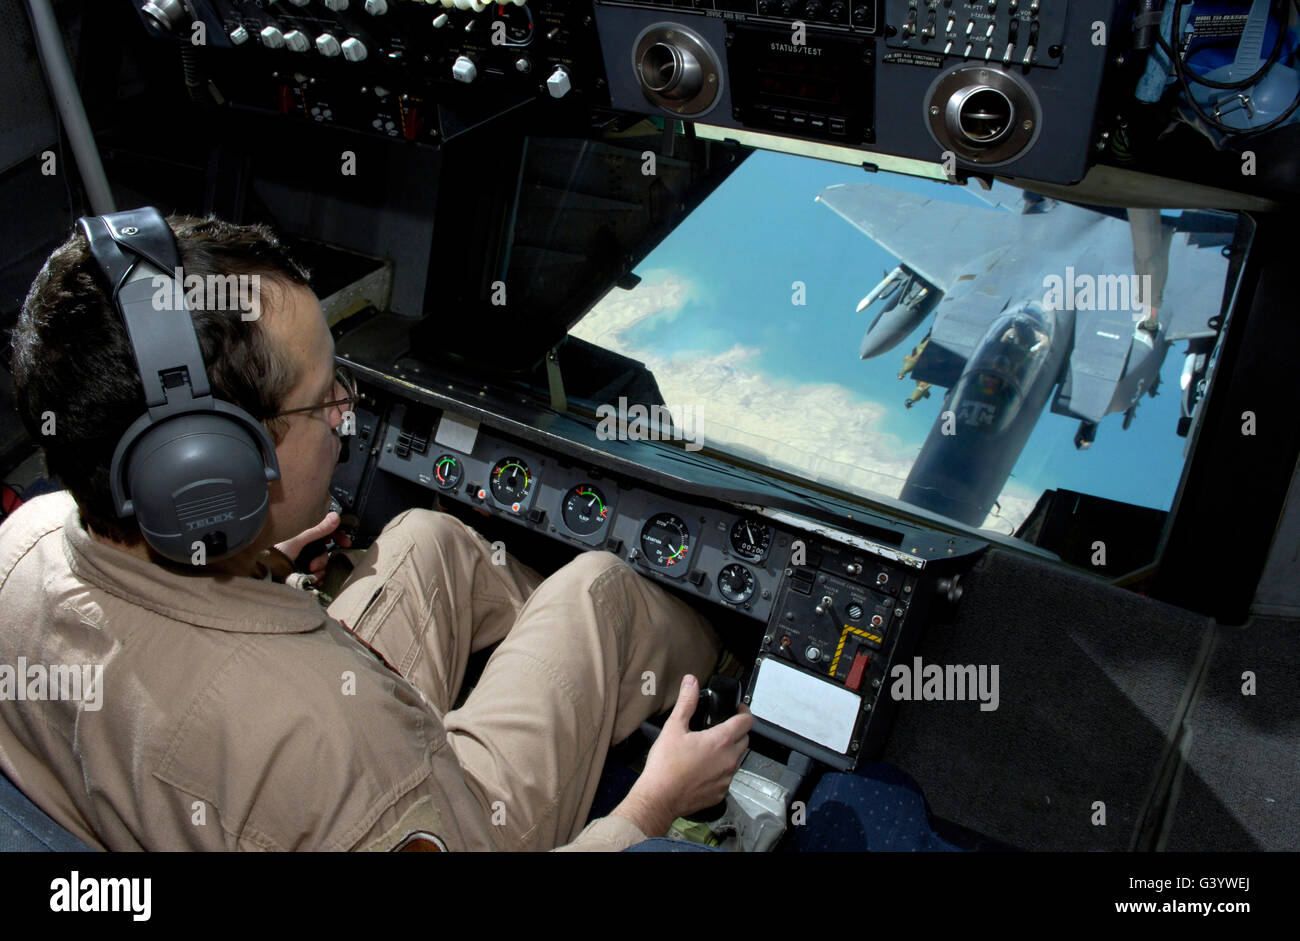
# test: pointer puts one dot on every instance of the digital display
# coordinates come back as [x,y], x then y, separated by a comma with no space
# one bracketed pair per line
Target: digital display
[806,79]
[823,88]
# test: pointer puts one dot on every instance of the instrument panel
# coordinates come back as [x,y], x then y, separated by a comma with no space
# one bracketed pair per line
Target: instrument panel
[831,606]
[733,559]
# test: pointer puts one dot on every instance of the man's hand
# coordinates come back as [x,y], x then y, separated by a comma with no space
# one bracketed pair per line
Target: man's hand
[686,771]
[329,526]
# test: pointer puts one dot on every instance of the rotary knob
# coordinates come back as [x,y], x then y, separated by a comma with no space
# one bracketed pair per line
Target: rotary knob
[558,83]
[300,3]
[272,38]
[327,45]
[296,41]
[464,70]
[338,6]
[238,36]
[354,50]
[376,7]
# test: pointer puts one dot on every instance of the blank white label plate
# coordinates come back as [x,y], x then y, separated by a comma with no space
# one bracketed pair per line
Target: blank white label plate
[456,433]
[815,709]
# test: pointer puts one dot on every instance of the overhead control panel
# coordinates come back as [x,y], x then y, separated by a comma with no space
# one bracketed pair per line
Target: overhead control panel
[380,66]
[1010,85]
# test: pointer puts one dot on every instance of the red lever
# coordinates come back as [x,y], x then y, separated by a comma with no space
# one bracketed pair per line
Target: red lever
[855,672]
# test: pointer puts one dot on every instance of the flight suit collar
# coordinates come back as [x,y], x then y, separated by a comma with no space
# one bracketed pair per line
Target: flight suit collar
[224,602]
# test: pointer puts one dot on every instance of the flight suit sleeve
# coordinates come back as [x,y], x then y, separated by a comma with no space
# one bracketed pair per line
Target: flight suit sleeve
[609,834]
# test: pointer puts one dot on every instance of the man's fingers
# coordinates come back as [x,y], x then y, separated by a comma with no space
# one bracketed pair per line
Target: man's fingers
[741,748]
[324,527]
[687,699]
[738,726]
[291,547]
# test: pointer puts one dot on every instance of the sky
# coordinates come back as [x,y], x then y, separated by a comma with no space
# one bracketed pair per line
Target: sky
[713,318]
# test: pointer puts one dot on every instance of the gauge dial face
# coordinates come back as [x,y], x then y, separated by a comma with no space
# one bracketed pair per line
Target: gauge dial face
[447,472]
[585,510]
[511,482]
[516,25]
[750,539]
[736,583]
[665,540]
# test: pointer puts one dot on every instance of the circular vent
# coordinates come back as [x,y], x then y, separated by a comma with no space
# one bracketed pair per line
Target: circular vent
[663,70]
[982,114]
[677,69]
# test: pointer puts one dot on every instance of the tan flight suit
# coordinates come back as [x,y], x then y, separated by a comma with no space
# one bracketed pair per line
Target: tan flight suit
[235,713]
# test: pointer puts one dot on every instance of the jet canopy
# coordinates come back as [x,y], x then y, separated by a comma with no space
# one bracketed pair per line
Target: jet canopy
[1007,362]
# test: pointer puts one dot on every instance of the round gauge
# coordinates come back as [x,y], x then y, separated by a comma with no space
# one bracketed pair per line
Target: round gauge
[511,482]
[665,540]
[516,25]
[750,539]
[447,472]
[736,583]
[585,510]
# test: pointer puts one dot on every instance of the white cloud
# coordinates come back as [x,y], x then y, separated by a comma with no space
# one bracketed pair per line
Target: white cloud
[823,431]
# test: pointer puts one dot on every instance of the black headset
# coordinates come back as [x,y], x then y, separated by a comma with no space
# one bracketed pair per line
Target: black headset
[192,469]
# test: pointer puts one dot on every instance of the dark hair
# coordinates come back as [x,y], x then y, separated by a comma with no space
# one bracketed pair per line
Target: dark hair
[71,356]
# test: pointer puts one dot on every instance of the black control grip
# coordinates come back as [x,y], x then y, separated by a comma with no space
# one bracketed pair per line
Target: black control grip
[718,703]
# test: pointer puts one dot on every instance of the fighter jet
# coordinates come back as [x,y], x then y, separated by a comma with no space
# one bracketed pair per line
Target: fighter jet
[1034,300]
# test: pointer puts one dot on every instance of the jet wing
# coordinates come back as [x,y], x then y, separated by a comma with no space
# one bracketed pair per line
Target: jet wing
[935,239]
[941,241]
[1194,291]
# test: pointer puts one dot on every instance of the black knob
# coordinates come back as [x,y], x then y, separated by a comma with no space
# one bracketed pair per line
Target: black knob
[812,9]
[718,703]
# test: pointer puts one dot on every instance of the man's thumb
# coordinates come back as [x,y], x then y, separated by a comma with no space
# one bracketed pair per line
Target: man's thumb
[687,699]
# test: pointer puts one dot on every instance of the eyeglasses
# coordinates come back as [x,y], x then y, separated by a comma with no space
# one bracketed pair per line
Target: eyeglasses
[345,382]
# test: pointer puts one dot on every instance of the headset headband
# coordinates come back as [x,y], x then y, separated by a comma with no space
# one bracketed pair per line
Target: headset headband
[136,250]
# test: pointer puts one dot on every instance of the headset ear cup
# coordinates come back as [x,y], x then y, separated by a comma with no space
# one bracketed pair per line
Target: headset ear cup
[199,478]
